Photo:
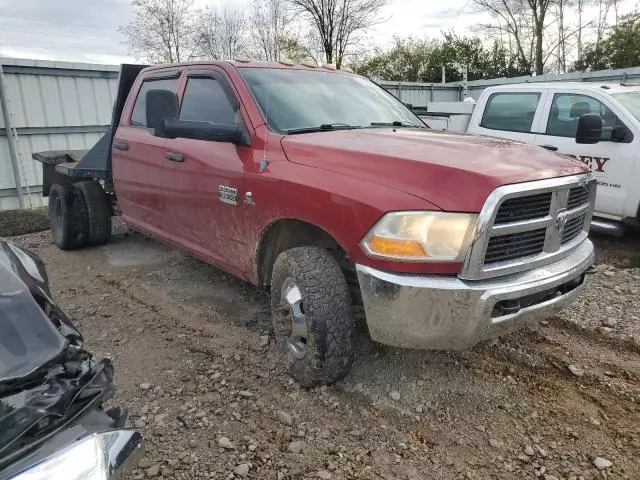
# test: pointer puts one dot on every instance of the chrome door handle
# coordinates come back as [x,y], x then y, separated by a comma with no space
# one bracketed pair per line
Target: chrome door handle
[121,146]
[550,147]
[174,156]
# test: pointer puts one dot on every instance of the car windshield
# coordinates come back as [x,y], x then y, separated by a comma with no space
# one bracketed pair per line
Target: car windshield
[631,101]
[295,101]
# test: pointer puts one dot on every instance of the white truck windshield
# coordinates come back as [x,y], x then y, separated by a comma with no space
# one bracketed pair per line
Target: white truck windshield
[295,100]
[630,100]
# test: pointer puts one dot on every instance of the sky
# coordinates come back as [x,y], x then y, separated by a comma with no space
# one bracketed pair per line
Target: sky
[87,30]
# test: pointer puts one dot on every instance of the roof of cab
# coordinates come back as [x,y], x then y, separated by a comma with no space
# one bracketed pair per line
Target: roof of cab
[605,87]
[251,64]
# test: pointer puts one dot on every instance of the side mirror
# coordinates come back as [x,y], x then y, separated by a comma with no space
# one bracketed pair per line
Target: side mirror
[621,134]
[161,105]
[197,130]
[408,105]
[589,129]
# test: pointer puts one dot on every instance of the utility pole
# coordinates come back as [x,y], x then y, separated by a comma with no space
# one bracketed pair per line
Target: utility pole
[465,78]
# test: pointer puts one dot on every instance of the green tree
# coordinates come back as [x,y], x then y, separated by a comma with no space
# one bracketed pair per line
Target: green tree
[619,49]
[412,60]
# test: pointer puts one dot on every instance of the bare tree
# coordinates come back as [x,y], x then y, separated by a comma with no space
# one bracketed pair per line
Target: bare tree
[221,32]
[525,21]
[511,20]
[580,5]
[616,8]
[560,8]
[539,10]
[161,31]
[271,28]
[340,22]
[601,21]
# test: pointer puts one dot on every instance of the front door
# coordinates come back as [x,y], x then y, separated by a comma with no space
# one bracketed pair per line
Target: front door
[202,179]
[137,162]
[611,160]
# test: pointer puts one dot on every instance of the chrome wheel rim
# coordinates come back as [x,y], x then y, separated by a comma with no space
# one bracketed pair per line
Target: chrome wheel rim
[294,322]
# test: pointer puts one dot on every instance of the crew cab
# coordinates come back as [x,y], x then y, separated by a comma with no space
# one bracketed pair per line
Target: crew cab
[324,189]
[547,114]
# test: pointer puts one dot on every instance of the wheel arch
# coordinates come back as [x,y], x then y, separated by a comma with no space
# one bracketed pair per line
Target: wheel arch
[285,233]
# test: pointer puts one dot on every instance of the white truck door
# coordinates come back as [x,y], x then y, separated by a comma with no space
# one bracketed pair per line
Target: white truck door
[611,161]
[510,114]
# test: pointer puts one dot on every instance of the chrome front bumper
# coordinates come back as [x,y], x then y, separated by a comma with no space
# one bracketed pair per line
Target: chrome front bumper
[447,313]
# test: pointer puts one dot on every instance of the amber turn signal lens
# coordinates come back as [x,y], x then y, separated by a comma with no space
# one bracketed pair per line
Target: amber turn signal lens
[395,247]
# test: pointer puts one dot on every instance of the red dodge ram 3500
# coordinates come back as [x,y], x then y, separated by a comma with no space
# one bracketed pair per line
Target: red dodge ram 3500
[322,187]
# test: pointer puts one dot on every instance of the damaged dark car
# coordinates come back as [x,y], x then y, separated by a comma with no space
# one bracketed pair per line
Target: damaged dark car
[52,421]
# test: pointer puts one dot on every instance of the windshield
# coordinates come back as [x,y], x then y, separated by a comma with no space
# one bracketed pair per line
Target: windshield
[301,99]
[631,101]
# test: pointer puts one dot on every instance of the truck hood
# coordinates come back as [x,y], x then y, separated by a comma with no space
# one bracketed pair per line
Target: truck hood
[455,172]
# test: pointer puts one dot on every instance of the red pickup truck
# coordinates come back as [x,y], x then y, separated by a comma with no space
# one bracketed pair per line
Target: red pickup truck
[323,188]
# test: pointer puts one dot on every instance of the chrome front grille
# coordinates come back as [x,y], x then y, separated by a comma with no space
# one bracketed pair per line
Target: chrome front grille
[572,229]
[578,196]
[523,226]
[515,245]
[524,208]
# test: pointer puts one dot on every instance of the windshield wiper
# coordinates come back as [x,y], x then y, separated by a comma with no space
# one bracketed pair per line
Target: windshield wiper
[395,123]
[325,127]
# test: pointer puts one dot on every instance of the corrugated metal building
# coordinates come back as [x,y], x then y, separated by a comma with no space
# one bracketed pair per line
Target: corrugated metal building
[51,106]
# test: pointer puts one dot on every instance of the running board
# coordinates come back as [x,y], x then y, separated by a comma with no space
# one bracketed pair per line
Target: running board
[607,227]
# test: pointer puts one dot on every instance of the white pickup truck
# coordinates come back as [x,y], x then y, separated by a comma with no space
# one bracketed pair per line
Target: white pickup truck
[547,114]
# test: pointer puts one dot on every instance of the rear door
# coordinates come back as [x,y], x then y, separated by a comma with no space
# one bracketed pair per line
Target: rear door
[511,114]
[610,161]
[202,179]
[138,159]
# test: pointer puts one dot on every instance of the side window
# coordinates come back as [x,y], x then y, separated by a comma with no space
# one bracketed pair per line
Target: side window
[512,112]
[204,100]
[566,110]
[139,115]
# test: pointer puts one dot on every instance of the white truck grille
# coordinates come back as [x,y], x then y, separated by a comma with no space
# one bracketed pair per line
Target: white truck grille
[527,225]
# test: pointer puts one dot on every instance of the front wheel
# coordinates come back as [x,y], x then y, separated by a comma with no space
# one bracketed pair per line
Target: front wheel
[312,319]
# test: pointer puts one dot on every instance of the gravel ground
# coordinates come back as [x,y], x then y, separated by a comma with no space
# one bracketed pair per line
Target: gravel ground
[196,372]
[19,222]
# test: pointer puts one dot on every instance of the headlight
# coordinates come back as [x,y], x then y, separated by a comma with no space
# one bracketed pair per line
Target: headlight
[100,456]
[421,236]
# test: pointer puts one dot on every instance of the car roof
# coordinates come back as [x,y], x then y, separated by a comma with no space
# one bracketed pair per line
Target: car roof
[604,87]
[247,63]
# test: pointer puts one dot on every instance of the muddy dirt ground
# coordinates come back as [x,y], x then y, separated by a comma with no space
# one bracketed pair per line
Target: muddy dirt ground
[211,397]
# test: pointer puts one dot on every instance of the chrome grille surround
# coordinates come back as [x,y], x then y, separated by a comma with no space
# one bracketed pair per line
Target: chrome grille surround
[554,247]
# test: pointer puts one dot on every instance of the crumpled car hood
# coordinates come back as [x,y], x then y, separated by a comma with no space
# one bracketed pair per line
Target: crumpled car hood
[456,172]
[47,379]
[28,338]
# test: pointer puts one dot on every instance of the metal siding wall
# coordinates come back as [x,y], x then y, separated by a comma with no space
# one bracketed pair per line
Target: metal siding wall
[44,94]
[6,177]
[420,94]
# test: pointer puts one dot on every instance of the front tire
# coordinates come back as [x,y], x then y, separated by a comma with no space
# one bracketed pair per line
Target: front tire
[312,318]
